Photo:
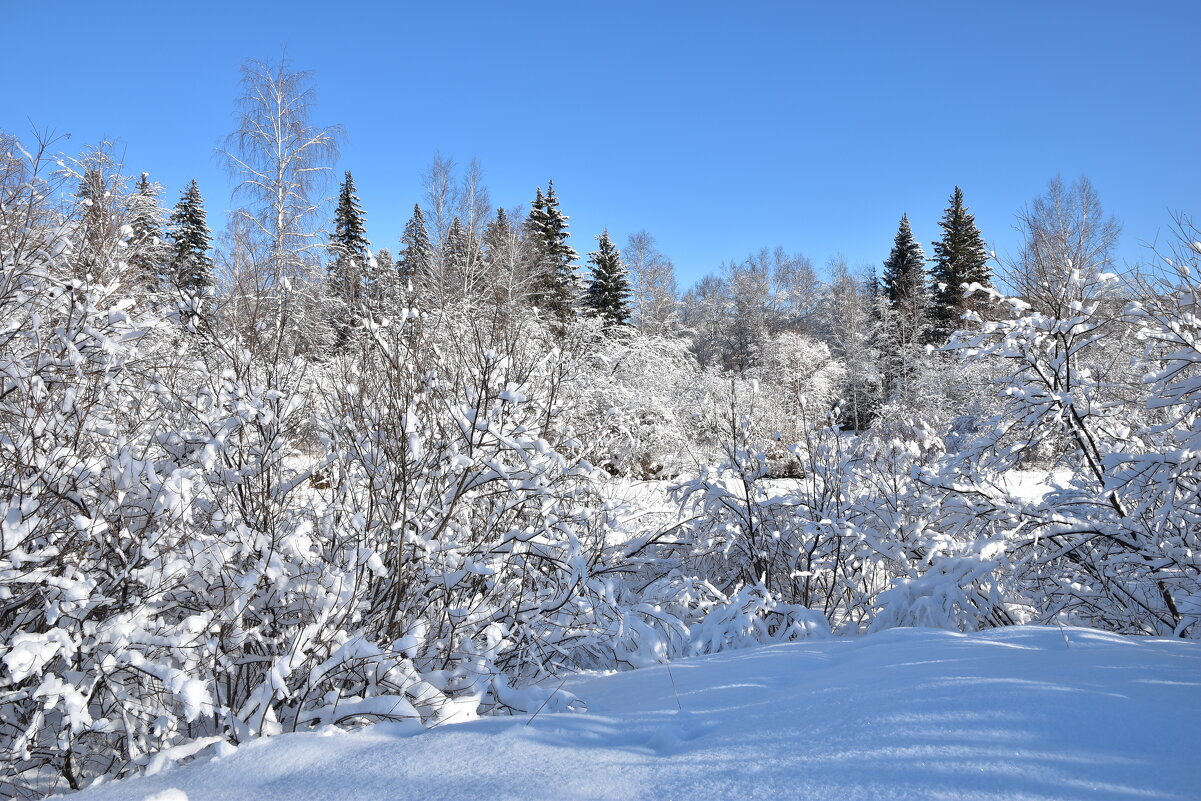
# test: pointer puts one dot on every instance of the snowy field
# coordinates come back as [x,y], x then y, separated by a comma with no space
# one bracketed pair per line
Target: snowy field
[1017,713]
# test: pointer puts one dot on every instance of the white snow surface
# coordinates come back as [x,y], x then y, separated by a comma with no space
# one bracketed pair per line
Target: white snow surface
[1018,713]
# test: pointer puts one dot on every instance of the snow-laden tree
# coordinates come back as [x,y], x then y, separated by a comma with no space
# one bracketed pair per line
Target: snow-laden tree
[848,323]
[29,211]
[415,260]
[800,381]
[1161,486]
[463,273]
[656,303]
[384,292]
[609,289]
[547,227]
[904,315]
[904,286]
[796,291]
[1063,229]
[148,251]
[349,252]
[282,162]
[459,211]
[631,402]
[705,316]
[114,236]
[1081,553]
[510,263]
[189,272]
[960,259]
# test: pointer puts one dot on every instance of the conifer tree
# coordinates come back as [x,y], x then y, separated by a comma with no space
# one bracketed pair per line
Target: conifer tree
[383,260]
[348,245]
[536,222]
[904,284]
[417,253]
[189,267]
[609,290]
[498,238]
[456,254]
[147,251]
[904,323]
[548,226]
[959,258]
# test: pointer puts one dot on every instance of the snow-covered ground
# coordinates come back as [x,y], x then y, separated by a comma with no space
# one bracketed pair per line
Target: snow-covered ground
[1018,713]
[1032,485]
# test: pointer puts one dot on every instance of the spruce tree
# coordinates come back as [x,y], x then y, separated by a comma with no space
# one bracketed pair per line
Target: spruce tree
[609,290]
[455,257]
[959,258]
[536,222]
[382,281]
[548,226]
[147,251]
[416,257]
[904,284]
[497,237]
[904,326]
[189,267]
[348,246]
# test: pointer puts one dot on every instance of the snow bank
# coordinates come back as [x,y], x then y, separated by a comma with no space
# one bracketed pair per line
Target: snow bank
[1019,713]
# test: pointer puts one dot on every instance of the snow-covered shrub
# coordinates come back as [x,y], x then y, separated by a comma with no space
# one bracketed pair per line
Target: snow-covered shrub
[627,402]
[755,616]
[91,673]
[800,381]
[956,592]
[797,538]
[1077,554]
[456,472]
[1159,487]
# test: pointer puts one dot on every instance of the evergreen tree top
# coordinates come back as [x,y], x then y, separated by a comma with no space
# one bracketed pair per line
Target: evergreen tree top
[188,223]
[904,271]
[349,237]
[960,258]
[147,189]
[551,226]
[417,252]
[609,290]
[190,268]
[960,254]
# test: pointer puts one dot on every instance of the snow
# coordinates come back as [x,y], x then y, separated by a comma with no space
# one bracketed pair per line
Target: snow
[1016,713]
[1033,485]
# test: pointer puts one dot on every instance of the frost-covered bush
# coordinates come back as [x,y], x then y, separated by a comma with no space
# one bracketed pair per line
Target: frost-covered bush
[628,403]
[796,538]
[1091,551]
[91,673]
[755,616]
[801,382]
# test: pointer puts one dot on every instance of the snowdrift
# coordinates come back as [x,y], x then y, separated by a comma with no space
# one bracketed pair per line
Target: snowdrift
[1018,713]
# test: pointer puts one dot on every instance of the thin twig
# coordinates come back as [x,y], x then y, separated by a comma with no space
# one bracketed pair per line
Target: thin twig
[545,701]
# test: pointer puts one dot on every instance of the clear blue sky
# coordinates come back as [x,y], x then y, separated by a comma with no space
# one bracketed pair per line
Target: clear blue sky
[719,127]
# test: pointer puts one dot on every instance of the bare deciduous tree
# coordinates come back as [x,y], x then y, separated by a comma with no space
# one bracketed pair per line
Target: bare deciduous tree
[656,300]
[1063,229]
[283,162]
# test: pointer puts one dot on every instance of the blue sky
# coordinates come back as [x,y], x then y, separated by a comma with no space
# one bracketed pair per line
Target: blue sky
[721,128]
